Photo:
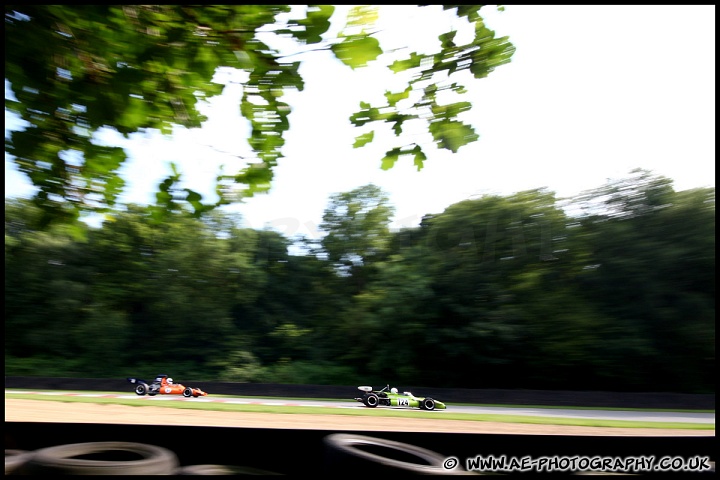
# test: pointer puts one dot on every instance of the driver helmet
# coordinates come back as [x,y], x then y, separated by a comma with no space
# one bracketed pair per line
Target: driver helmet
[169,380]
[394,390]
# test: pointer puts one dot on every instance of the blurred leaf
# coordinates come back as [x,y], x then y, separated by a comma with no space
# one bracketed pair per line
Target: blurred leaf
[363,15]
[452,135]
[356,51]
[102,160]
[412,62]
[393,98]
[390,158]
[470,11]
[315,25]
[398,121]
[363,139]
[447,40]
[257,177]
[419,157]
[450,111]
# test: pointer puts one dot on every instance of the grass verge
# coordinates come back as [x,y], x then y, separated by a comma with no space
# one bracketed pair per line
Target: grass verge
[381,412]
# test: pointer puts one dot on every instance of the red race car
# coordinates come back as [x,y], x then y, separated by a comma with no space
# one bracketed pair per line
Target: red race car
[164,385]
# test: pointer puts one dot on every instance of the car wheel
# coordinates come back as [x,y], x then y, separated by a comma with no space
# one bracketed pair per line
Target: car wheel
[102,458]
[352,453]
[188,392]
[371,400]
[428,404]
[141,389]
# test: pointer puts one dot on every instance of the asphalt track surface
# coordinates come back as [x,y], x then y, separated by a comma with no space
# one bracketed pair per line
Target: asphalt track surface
[627,415]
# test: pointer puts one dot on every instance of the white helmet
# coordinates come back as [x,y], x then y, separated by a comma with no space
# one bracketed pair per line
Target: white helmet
[393,390]
[169,380]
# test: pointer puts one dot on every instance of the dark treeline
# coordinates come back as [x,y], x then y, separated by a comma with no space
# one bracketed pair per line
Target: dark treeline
[612,290]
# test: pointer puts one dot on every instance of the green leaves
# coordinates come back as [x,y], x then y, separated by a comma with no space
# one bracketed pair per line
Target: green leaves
[78,69]
[195,200]
[401,65]
[420,157]
[450,111]
[102,160]
[490,55]
[392,156]
[314,26]
[430,77]
[394,98]
[452,134]
[363,139]
[257,177]
[169,199]
[356,48]
[357,51]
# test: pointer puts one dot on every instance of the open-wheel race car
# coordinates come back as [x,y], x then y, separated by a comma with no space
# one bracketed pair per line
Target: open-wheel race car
[164,385]
[390,397]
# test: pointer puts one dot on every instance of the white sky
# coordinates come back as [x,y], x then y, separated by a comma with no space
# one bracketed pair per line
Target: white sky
[592,93]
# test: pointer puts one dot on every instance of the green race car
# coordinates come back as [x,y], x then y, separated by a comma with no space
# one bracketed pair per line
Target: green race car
[389,397]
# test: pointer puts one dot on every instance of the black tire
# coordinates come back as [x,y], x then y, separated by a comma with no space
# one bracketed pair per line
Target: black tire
[141,389]
[428,404]
[103,458]
[371,400]
[211,469]
[187,392]
[352,453]
[15,460]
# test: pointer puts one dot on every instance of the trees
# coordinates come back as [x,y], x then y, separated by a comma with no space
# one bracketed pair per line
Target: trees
[494,292]
[650,259]
[357,227]
[486,259]
[77,69]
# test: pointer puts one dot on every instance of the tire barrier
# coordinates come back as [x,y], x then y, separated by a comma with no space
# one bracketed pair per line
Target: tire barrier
[221,470]
[101,458]
[207,450]
[148,460]
[14,460]
[369,455]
